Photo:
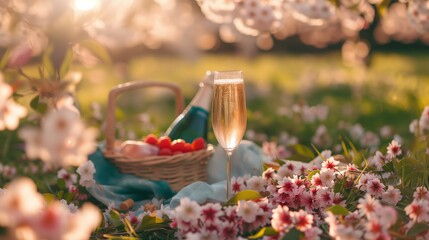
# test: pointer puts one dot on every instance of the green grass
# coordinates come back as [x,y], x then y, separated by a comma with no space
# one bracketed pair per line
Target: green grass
[391,91]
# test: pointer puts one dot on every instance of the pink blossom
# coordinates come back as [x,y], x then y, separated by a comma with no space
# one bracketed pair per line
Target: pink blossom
[368,205]
[282,219]
[327,177]
[324,198]
[268,174]
[421,193]
[188,211]
[68,178]
[375,187]
[52,222]
[377,161]
[228,230]
[248,210]
[210,212]
[19,56]
[394,149]
[237,184]
[418,211]
[302,220]
[391,195]
[316,180]
[363,181]
[387,216]
[312,233]
[256,183]
[330,163]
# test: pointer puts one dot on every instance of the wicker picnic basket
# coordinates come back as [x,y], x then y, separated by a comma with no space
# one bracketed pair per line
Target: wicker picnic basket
[178,170]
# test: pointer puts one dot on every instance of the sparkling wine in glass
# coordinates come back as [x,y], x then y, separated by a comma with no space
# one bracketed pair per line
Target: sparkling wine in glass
[229,115]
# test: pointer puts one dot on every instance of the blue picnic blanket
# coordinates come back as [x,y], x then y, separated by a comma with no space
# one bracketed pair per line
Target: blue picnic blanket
[113,187]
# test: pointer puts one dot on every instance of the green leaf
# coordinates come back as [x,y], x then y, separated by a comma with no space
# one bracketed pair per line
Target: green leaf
[40,107]
[303,151]
[113,237]
[338,210]
[292,234]
[266,231]
[60,194]
[69,197]
[244,195]
[61,184]
[129,228]
[114,214]
[4,59]
[68,59]
[97,49]
[312,173]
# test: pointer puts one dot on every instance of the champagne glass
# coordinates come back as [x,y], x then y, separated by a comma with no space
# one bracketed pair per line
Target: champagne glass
[229,115]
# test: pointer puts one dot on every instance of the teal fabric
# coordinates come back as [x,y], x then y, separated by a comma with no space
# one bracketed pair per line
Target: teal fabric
[114,187]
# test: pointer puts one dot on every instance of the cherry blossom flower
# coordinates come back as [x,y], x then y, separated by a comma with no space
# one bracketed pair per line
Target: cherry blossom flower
[368,205]
[418,211]
[70,144]
[330,163]
[375,187]
[302,220]
[421,193]
[394,149]
[83,222]
[68,178]
[10,111]
[391,195]
[316,180]
[345,232]
[286,170]
[327,177]
[86,172]
[387,216]
[210,212]
[237,184]
[363,181]
[370,139]
[228,230]
[312,233]
[268,174]
[188,211]
[256,183]
[282,219]
[52,222]
[248,210]
[71,207]
[377,161]
[20,202]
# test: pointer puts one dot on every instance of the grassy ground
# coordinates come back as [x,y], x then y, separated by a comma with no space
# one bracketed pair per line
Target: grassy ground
[392,90]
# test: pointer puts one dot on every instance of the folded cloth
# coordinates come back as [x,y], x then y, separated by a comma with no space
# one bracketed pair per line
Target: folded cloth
[113,187]
[247,159]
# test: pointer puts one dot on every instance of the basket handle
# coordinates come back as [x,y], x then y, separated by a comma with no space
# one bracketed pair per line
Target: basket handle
[121,88]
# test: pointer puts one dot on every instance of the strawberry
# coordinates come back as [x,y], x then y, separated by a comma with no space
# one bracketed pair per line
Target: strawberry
[164,142]
[198,144]
[151,139]
[188,147]
[165,152]
[178,145]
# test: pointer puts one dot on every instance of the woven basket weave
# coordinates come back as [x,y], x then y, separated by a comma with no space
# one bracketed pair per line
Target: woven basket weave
[178,170]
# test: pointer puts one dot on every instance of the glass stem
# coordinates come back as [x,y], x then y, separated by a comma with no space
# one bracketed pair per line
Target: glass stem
[228,174]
